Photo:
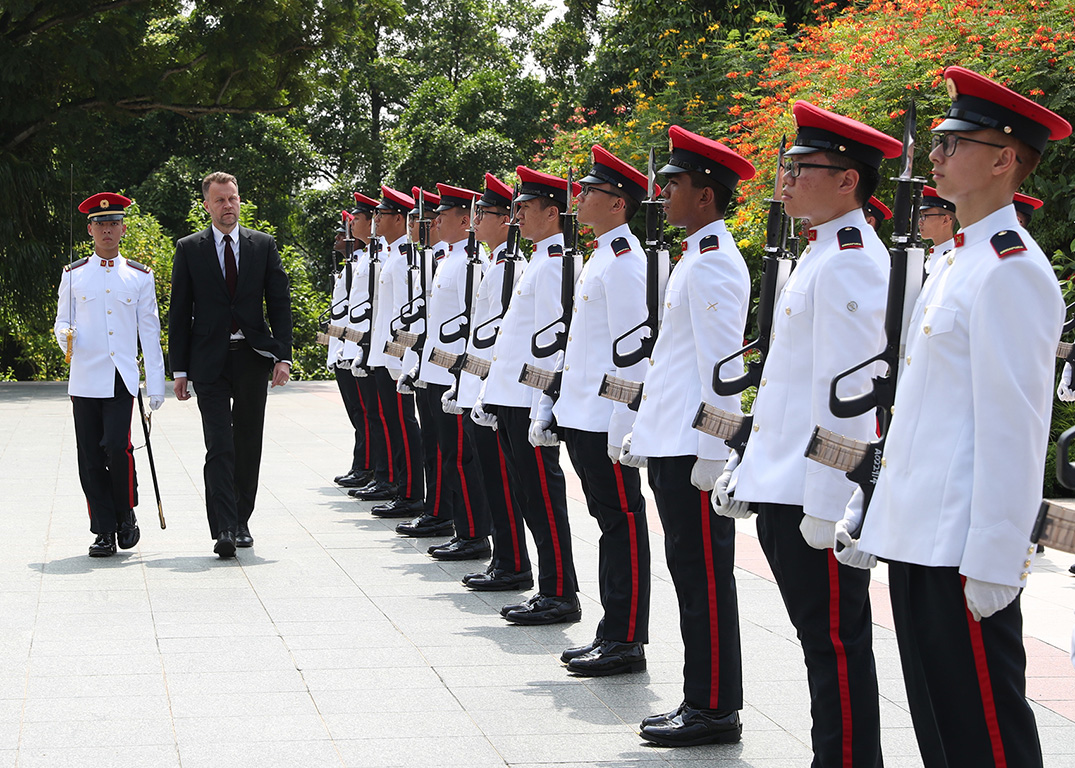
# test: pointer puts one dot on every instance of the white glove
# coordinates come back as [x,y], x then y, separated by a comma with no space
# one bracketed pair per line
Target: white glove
[405,384]
[1064,390]
[61,338]
[480,417]
[705,473]
[540,434]
[723,504]
[625,457]
[449,402]
[356,365]
[155,402]
[846,544]
[818,533]
[985,598]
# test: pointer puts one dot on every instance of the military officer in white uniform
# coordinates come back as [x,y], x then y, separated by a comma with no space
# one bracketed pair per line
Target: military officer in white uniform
[706,303]
[936,223]
[828,318]
[960,484]
[610,300]
[106,309]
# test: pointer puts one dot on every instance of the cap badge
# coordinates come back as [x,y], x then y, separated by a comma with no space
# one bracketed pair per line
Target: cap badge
[104,204]
[950,86]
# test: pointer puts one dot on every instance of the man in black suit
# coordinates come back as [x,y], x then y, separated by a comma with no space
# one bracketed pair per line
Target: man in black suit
[220,340]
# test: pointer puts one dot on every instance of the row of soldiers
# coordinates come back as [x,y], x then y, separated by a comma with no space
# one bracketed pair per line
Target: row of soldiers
[464,374]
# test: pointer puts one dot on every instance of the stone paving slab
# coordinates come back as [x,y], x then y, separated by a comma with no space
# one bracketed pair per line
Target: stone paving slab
[335,643]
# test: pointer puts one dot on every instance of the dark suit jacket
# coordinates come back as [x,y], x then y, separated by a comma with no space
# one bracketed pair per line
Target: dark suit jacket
[199,321]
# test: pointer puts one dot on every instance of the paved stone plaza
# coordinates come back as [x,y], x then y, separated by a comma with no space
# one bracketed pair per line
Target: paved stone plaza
[336,643]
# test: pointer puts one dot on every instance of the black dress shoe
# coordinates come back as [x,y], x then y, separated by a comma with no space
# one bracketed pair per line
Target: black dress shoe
[546,609]
[355,479]
[128,534]
[609,658]
[658,719]
[424,526]
[399,507]
[104,545]
[374,492]
[696,726]
[580,650]
[243,538]
[499,580]
[460,548]
[225,544]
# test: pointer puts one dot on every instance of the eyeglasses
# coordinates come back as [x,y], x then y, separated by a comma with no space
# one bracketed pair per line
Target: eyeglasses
[482,213]
[793,168]
[932,215]
[588,188]
[949,141]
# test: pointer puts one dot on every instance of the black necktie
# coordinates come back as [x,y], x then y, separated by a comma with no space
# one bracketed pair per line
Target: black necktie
[231,275]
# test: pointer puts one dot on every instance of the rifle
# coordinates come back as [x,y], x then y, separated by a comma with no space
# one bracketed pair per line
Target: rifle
[1065,350]
[1055,524]
[511,257]
[149,452]
[462,330]
[781,248]
[70,330]
[329,330]
[365,311]
[861,461]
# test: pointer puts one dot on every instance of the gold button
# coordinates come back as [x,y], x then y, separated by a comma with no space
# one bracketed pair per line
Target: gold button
[567,367]
[519,293]
[1026,563]
[884,462]
[892,410]
[110,333]
[763,382]
[926,329]
[787,310]
[574,309]
[110,311]
[908,359]
[128,301]
[494,357]
[112,353]
[951,259]
[924,311]
[643,397]
[1022,577]
[1030,550]
[108,290]
[669,305]
[585,297]
[651,361]
[569,338]
[756,427]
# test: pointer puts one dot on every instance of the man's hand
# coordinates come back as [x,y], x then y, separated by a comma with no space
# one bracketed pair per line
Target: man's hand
[846,545]
[722,502]
[61,338]
[281,372]
[480,417]
[541,436]
[625,457]
[155,402]
[985,598]
[449,402]
[706,472]
[179,386]
[818,533]
[1064,390]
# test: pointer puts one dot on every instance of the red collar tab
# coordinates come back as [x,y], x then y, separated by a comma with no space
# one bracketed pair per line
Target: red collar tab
[811,235]
[684,246]
[108,262]
[1006,243]
[960,239]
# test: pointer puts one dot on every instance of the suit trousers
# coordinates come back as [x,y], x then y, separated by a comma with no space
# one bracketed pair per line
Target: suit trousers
[700,550]
[829,605]
[404,437]
[438,500]
[614,499]
[355,405]
[461,469]
[966,680]
[233,420]
[105,456]
[380,460]
[505,511]
[543,500]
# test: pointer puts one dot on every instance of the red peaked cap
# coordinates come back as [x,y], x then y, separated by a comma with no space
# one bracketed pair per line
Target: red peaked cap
[105,206]
[691,152]
[497,193]
[534,184]
[455,197]
[824,131]
[364,204]
[346,215]
[609,169]
[930,199]
[979,103]
[878,209]
[432,200]
[394,201]
[1026,204]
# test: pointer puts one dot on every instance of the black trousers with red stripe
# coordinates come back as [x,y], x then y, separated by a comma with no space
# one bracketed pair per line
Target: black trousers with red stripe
[438,500]
[105,456]
[829,605]
[700,549]
[380,462]
[966,680]
[505,511]
[614,498]
[462,473]
[404,436]
[543,498]
[355,405]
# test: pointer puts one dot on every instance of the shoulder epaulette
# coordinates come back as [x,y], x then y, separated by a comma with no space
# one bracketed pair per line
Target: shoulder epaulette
[556,250]
[1006,243]
[75,264]
[139,267]
[709,243]
[849,237]
[620,246]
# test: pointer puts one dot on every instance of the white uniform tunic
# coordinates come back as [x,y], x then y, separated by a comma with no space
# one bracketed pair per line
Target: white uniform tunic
[115,310]
[705,310]
[610,299]
[486,307]
[446,302]
[391,296]
[359,296]
[961,481]
[828,318]
[338,314]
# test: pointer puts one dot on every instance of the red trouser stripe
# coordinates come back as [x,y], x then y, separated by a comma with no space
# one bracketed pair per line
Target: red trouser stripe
[985,685]
[438,471]
[365,426]
[130,470]
[632,535]
[711,594]
[841,655]
[506,490]
[406,448]
[462,476]
[552,521]
[387,438]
